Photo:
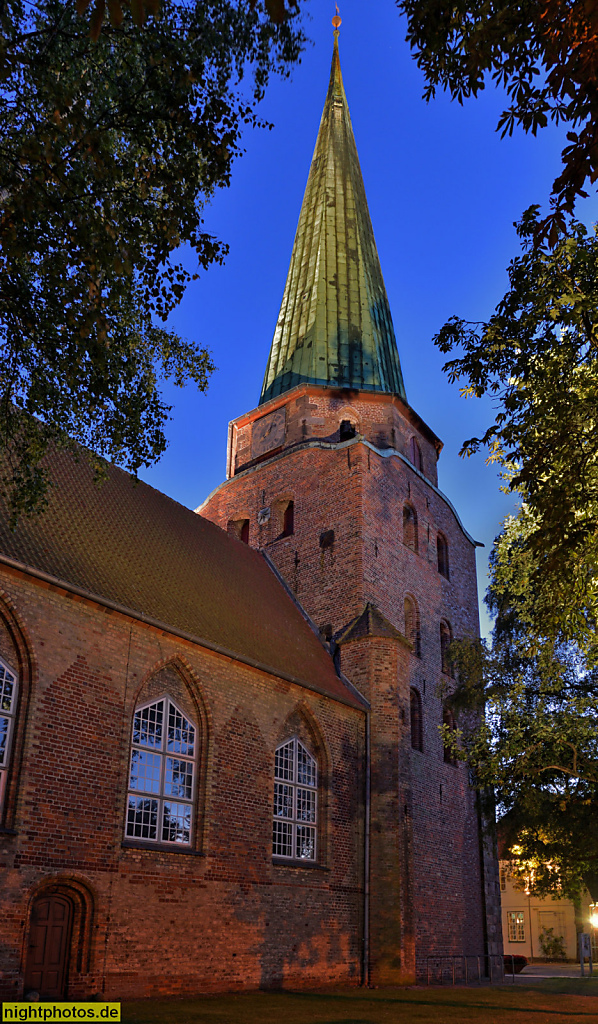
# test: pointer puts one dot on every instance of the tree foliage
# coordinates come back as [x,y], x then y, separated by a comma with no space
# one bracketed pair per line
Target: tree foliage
[111,142]
[527,708]
[527,705]
[545,54]
[277,10]
[538,356]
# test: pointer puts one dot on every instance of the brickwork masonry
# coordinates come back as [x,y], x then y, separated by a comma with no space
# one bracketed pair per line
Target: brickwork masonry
[348,548]
[154,921]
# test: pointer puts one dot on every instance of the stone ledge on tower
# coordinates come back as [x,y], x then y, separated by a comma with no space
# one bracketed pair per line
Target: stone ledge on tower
[332,416]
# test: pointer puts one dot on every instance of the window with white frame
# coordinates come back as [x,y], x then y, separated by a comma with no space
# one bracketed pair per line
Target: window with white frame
[294,830]
[516,925]
[8,711]
[162,775]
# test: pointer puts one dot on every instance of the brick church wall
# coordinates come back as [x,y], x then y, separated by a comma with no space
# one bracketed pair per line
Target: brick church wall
[150,921]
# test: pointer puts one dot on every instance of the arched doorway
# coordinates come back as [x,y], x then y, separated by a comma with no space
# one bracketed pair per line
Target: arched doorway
[48,947]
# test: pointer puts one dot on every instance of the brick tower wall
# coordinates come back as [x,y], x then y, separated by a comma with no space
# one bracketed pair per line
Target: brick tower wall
[446,878]
[309,413]
[358,488]
[380,666]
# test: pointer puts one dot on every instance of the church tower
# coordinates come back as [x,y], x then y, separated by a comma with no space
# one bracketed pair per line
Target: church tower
[334,478]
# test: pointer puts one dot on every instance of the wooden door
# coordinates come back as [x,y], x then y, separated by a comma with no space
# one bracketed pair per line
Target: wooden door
[49,939]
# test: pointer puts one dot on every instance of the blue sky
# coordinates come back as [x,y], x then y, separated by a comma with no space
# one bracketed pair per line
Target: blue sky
[443,191]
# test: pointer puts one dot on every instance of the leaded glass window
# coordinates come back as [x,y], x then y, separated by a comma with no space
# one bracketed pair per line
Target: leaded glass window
[161,775]
[294,830]
[8,710]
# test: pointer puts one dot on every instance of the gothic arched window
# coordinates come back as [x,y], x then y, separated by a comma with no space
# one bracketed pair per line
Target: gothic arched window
[162,775]
[409,527]
[445,643]
[443,559]
[417,738]
[294,829]
[412,631]
[8,714]
[415,454]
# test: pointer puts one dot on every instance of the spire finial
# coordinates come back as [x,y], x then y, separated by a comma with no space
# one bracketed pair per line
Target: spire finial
[337,22]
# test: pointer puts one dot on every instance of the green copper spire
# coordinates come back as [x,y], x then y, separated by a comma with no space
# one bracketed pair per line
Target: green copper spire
[334,326]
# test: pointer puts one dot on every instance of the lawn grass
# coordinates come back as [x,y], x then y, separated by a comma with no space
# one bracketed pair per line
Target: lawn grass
[540,1003]
[569,986]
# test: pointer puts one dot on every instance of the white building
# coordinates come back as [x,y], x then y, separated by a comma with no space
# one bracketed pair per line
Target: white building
[530,922]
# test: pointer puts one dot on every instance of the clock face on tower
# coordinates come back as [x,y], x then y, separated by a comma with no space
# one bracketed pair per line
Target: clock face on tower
[268,433]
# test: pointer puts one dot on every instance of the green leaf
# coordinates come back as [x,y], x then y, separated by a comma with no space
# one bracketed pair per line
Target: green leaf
[121,135]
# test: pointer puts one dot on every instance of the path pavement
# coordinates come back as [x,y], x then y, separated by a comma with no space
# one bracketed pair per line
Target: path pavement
[556,970]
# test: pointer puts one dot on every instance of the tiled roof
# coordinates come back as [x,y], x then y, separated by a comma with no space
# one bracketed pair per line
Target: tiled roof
[371,622]
[334,326]
[132,546]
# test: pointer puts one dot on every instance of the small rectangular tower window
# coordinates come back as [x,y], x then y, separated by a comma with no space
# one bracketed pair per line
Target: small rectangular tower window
[417,741]
[409,527]
[415,455]
[448,720]
[446,636]
[442,552]
[412,629]
[288,520]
